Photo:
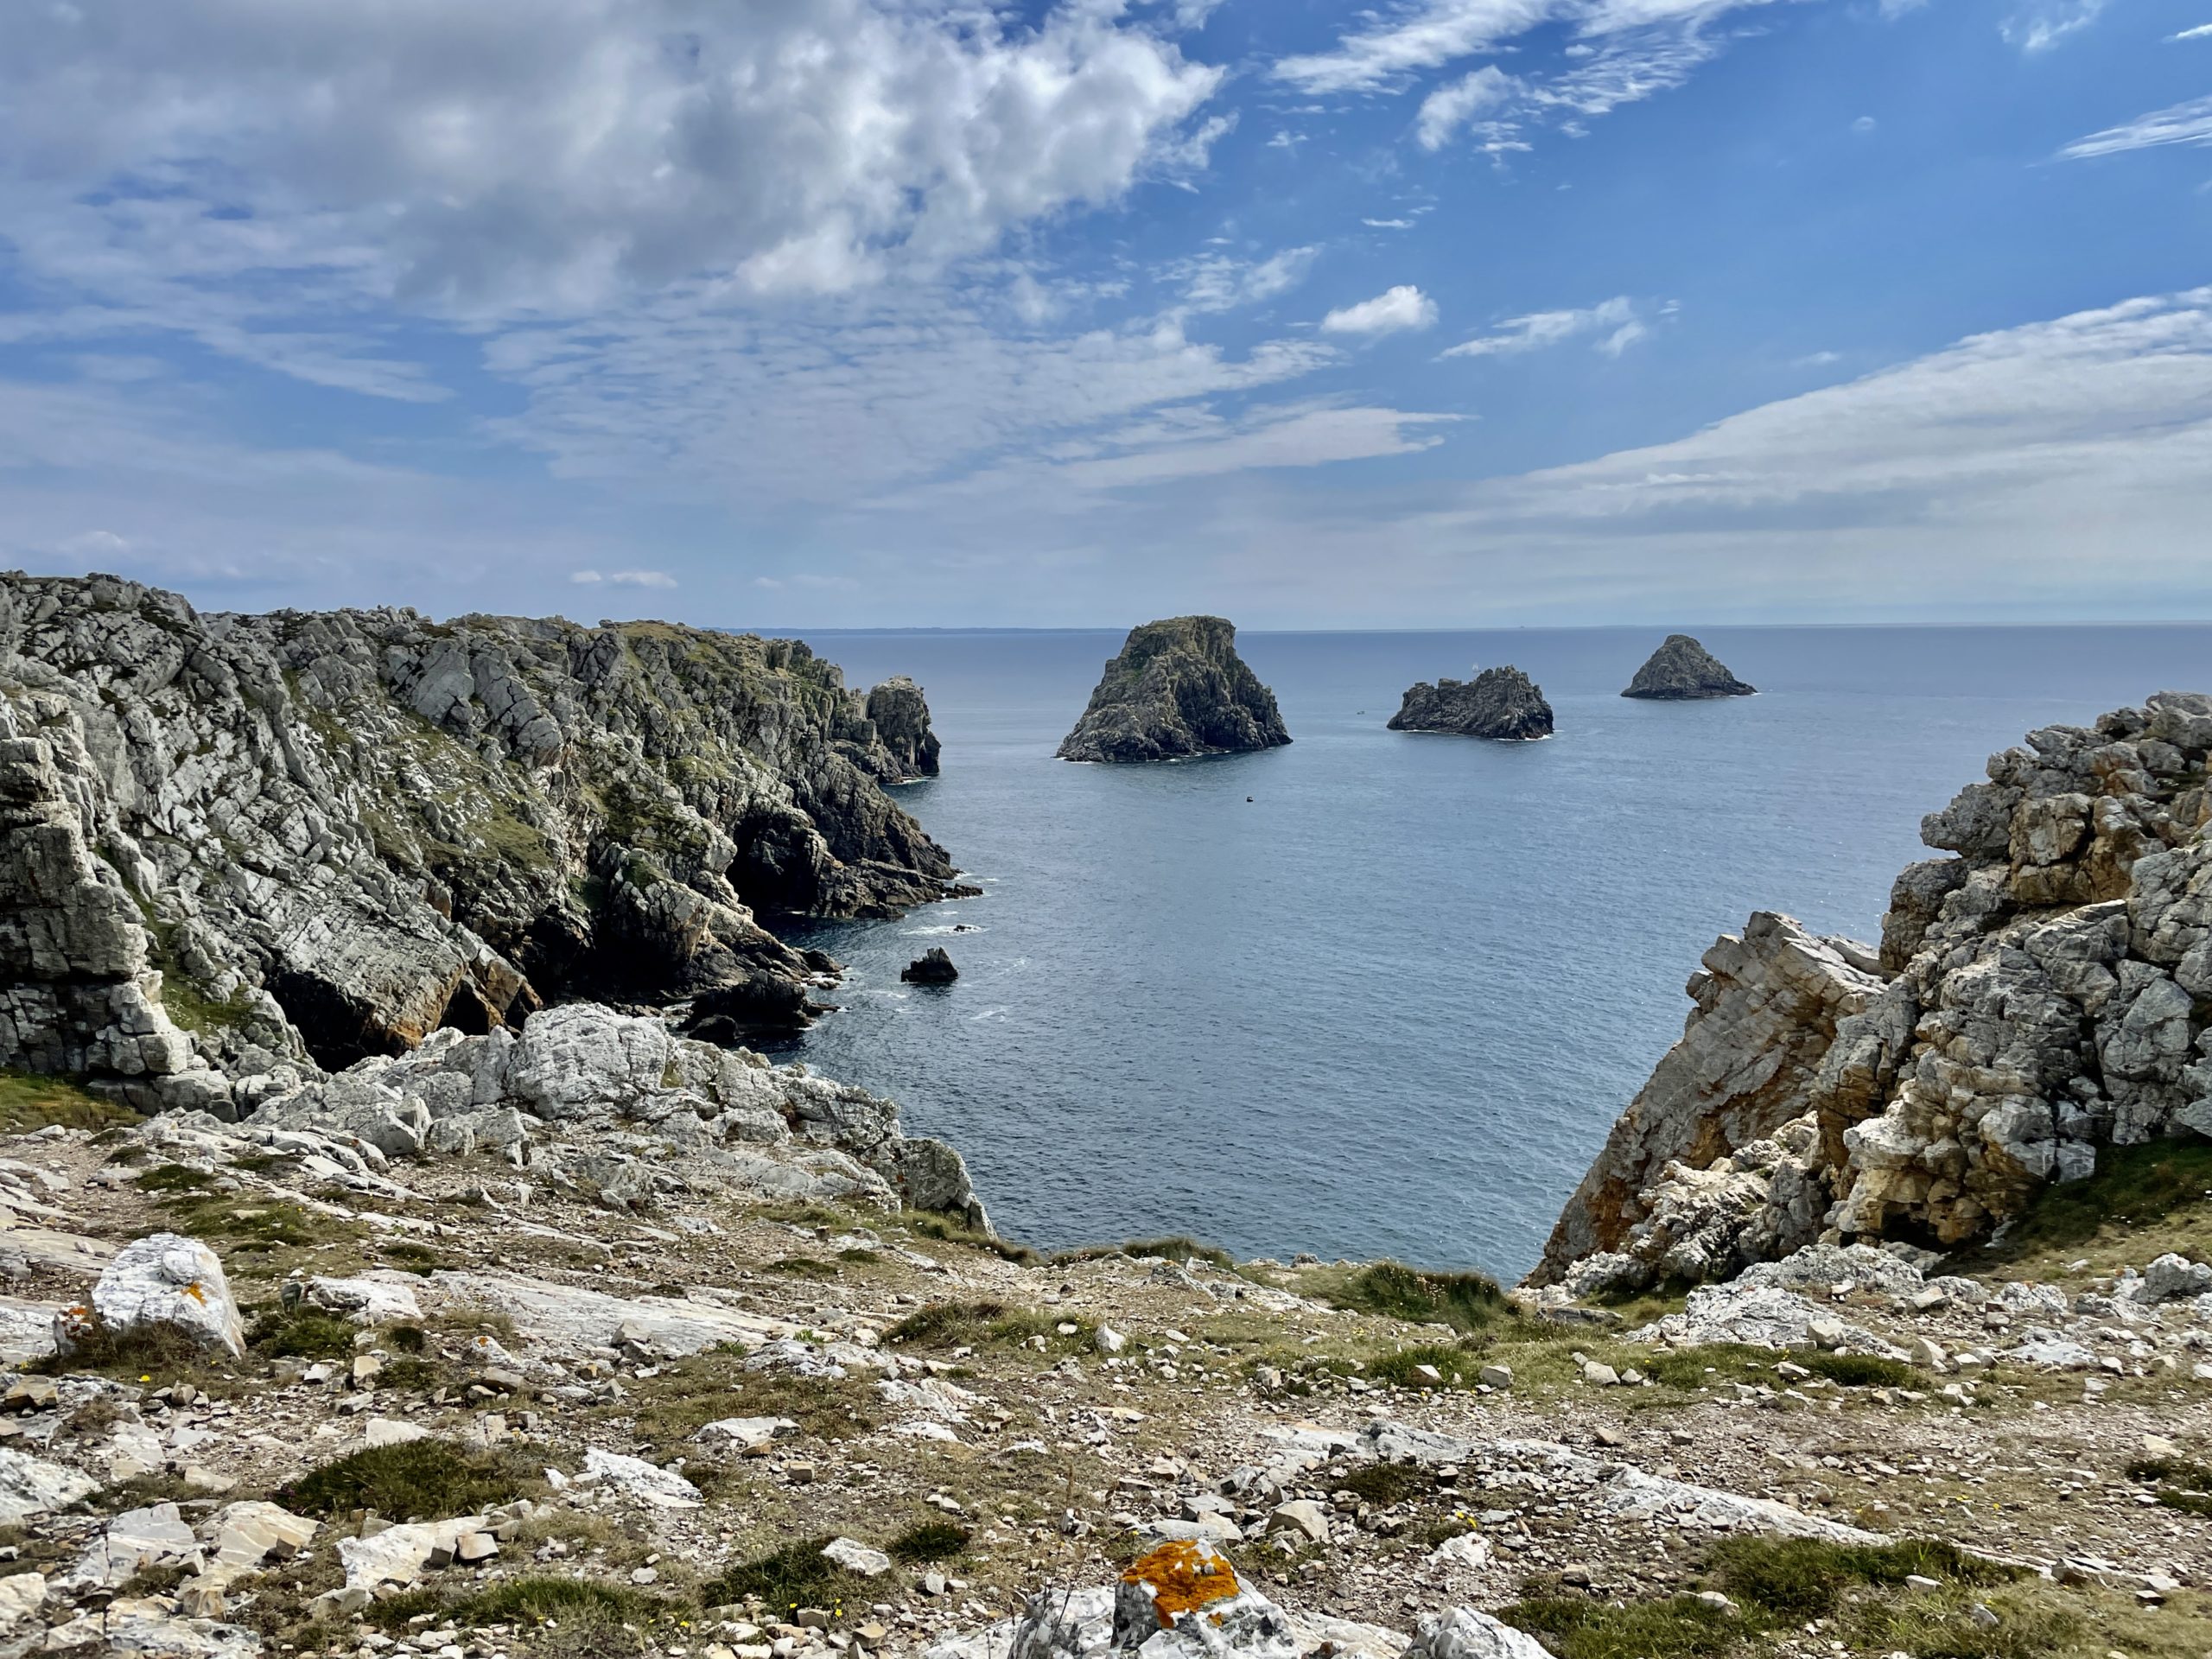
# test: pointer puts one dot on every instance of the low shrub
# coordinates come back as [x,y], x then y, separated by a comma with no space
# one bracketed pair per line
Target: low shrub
[415,1479]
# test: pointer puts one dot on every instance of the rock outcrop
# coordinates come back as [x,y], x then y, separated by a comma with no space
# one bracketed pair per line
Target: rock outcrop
[1178,690]
[2040,995]
[1502,703]
[932,967]
[332,834]
[1682,670]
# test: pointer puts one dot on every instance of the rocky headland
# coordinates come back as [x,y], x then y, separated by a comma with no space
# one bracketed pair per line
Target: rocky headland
[1682,670]
[1500,703]
[229,844]
[1177,690]
[573,1335]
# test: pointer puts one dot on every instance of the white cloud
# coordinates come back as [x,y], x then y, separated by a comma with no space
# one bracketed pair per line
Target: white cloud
[1864,124]
[552,154]
[1615,321]
[1388,224]
[2183,124]
[2042,25]
[624,578]
[1452,106]
[2202,31]
[1388,313]
[1415,37]
[1219,282]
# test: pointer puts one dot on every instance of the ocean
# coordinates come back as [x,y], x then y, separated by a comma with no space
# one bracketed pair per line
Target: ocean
[1379,994]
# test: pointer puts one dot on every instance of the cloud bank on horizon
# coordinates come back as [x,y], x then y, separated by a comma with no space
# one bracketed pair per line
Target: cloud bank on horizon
[878,312]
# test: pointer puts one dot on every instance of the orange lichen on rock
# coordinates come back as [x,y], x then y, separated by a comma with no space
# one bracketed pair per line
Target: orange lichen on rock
[1183,1576]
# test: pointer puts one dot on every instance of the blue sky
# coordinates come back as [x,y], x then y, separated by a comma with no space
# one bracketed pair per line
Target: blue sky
[881,312]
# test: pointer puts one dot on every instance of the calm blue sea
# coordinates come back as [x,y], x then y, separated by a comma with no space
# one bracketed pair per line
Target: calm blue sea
[1390,1003]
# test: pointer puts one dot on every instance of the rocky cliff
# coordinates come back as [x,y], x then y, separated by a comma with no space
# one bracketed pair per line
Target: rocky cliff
[2041,994]
[1502,703]
[330,834]
[1177,690]
[1682,670]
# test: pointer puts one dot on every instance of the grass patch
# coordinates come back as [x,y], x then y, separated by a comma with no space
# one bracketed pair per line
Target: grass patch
[1457,1367]
[798,1575]
[304,1333]
[423,1479]
[29,1101]
[928,1540]
[2142,1201]
[1177,1248]
[157,1352]
[925,1224]
[250,1228]
[689,1393]
[2178,1483]
[530,1601]
[976,1325]
[1466,1301]
[1383,1485]
[418,1258]
[1794,1579]
[1577,1627]
[175,1178]
[1862,1370]
[803,1266]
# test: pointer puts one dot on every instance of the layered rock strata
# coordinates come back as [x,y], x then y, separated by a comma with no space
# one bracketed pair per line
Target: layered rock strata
[1682,670]
[1500,703]
[330,834]
[2040,995]
[1177,690]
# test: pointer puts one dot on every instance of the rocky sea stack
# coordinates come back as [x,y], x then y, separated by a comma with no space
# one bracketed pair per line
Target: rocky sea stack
[1682,670]
[1503,703]
[229,843]
[1177,690]
[2039,996]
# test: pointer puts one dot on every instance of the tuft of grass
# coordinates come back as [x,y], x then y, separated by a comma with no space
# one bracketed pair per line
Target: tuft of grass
[247,1227]
[155,1350]
[1457,1367]
[1577,1627]
[531,1599]
[1175,1249]
[2178,1483]
[1466,1301]
[1861,1370]
[798,1575]
[175,1178]
[689,1393]
[926,1223]
[928,1540]
[803,1266]
[2141,1201]
[1794,1579]
[424,1480]
[975,1324]
[29,1101]
[1383,1485]
[304,1333]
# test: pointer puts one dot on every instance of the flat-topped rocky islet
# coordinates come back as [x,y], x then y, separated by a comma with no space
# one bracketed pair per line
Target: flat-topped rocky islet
[1501,703]
[1682,670]
[1177,690]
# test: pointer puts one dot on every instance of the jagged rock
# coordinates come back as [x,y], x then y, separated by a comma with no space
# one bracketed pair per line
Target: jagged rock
[2037,997]
[1756,1315]
[1470,1633]
[163,1282]
[153,1537]
[399,1555]
[1682,670]
[664,1489]
[350,828]
[932,967]
[1768,1007]
[30,1487]
[1176,689]
[1503,703]
[856,1558]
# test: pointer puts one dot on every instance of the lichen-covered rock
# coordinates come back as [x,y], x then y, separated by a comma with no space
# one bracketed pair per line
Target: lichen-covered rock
[1501,703]
[2039,995]
[163,1282]
[1682,670]
[1177,690]
[335,833]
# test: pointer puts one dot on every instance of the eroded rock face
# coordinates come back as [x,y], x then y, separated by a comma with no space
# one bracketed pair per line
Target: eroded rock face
[2039,995]
[1177,690]
[1682,670]
[1502,703]
[334,833]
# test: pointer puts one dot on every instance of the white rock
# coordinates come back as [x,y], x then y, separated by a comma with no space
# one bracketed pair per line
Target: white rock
[390,1431]
[29,1486]
[398,1554]
[166,1279]
[663,1488]
[1107,1340]
[1469,1549]
[157,1536]
[378,1297]
[1302,1517]
[1467,1633]
[21,1594]
[857,1557]
[747,1433]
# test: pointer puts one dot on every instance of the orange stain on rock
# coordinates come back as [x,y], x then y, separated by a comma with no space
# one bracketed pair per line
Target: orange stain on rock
[1183,1576]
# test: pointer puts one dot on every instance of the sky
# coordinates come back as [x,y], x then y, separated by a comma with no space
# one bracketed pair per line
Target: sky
[885,312]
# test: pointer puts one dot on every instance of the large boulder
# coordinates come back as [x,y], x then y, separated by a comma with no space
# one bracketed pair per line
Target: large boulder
[1177,690]
[162,1282]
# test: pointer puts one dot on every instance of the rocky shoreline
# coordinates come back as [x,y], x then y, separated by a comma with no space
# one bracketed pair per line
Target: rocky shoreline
[570,1333]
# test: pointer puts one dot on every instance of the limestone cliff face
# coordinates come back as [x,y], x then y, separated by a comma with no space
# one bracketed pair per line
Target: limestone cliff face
[1177,690]
[2041,994]
[337,832]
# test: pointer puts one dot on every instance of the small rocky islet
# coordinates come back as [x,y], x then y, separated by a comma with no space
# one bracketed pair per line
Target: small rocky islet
[1682,670]
[575,1334]
[1500,703]
[1176,691]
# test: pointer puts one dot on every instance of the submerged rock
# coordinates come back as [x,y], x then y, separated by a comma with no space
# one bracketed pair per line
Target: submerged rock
[1503,703]
[932,967]
[1177,690]
[1682,670]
